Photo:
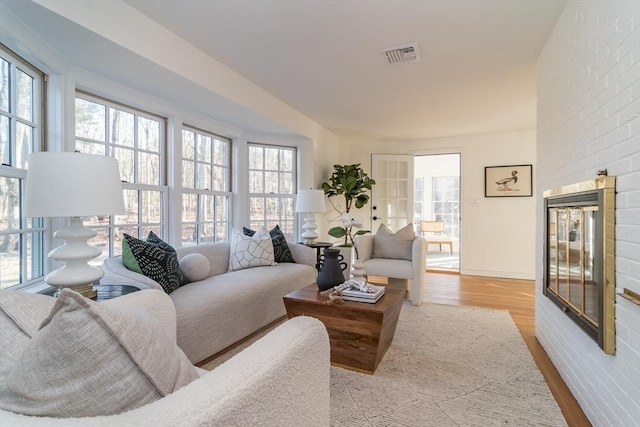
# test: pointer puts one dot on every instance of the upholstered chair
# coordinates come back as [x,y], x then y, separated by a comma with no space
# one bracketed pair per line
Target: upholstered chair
[383,256]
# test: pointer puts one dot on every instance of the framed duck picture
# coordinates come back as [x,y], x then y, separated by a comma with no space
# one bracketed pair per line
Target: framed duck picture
[508,181]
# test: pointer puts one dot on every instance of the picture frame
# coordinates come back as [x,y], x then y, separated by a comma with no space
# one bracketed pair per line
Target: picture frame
[508,181]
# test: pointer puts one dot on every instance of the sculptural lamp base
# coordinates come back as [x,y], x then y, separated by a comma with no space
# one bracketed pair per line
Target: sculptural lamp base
[76,273]
[357,271]
[309,236]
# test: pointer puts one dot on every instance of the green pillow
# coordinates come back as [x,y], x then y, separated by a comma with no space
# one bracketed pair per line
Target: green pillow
[155,259]
[280,248]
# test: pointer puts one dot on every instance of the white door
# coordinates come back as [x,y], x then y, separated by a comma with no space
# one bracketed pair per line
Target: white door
[392,195]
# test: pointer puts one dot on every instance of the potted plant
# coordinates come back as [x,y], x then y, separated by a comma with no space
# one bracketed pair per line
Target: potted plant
[351,183]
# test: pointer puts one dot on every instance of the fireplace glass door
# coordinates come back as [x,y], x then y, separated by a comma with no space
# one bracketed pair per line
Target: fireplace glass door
[571,259]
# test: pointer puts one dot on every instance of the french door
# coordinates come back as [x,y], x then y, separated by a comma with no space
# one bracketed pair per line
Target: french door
[392,195]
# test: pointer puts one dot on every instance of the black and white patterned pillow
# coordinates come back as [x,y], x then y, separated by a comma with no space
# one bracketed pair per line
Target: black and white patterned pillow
[155,240]
[250,251]
[153,261]
[280,248]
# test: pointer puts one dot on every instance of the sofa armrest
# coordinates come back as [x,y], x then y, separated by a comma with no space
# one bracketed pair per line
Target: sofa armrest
[282,379]
[303,254]
[158,303]
[419,254]
[115,273]
[419,264]
[364,243]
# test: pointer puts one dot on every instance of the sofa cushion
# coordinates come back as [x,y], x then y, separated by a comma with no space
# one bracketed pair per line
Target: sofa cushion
[195,266]
[221,310]
[21,314]
[250,251]
[387,244]
[281,250]
[157,261]
[91,359]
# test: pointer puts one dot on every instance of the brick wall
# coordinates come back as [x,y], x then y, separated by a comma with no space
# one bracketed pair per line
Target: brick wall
[589,119]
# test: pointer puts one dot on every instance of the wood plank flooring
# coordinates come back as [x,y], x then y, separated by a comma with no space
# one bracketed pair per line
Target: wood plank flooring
[516,296]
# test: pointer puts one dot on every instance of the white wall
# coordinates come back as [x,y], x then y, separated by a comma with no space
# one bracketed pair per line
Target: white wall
[588,104]
[167,51]
[497,234]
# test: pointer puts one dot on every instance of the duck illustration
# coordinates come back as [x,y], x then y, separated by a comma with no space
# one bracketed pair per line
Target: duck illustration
[503,184]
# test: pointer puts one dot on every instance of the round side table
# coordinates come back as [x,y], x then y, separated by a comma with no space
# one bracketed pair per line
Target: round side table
[106,292]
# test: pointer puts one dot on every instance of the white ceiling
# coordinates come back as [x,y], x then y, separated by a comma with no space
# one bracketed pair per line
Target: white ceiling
[476,74]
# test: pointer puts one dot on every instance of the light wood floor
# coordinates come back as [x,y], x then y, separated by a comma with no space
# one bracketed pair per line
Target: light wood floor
[516,296]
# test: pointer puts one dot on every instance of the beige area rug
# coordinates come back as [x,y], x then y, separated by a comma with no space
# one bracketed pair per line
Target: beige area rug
[447,366]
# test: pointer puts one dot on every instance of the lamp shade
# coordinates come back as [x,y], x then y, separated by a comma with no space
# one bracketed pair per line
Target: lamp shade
[310,201]
[65,184]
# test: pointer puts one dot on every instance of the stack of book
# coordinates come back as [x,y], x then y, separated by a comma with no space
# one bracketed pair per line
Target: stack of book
[359,296]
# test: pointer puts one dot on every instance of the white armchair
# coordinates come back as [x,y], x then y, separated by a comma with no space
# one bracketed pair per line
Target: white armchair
[413,270]
[282,379]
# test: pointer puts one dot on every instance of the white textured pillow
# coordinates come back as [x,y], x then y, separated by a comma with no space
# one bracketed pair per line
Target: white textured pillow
[91,359]
[398,245]
[21,314]
[250,251]
[195,266]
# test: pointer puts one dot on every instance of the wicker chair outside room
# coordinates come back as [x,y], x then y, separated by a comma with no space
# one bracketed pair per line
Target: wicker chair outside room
[433,232]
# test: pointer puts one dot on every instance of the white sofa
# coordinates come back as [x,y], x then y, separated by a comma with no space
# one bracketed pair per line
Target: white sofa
[225,307]
[282,379]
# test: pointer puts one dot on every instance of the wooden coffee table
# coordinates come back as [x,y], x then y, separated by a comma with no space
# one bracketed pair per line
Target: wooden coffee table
[360,333]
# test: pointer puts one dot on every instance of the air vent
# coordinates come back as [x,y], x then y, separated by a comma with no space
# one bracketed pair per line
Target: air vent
[402,54]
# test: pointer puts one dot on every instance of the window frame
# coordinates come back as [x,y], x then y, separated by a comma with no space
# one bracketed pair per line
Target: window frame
[224,195]
[31,257]
[452,217]
[133,192]
[287,223]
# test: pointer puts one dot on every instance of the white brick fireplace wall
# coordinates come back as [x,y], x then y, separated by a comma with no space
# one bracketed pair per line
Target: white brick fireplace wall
[589,119]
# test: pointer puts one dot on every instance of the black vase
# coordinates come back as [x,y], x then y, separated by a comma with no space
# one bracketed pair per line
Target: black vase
[331,267]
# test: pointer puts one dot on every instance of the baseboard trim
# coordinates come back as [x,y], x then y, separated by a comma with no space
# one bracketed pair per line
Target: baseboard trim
[501,274]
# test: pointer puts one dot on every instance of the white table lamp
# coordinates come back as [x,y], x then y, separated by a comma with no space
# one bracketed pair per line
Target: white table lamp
[310,202]
[73,185]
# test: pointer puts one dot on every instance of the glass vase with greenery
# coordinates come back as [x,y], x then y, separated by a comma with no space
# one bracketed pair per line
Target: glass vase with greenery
[352,183]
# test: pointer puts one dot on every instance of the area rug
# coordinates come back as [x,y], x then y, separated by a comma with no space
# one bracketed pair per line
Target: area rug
[447,366]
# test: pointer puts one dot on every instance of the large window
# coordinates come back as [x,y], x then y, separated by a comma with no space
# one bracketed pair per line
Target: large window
[137,139]
[21,116]
[271,187]
[206,187]
[446,203]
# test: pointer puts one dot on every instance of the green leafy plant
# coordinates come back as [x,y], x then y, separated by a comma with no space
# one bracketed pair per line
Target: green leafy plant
[353,184]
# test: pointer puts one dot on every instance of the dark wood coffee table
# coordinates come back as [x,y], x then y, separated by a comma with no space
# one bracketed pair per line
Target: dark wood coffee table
[360,333]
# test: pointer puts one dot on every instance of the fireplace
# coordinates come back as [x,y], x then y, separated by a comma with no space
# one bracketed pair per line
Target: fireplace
[579,273]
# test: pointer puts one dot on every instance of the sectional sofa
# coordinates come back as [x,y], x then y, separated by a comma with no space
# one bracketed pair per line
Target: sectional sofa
[225,306]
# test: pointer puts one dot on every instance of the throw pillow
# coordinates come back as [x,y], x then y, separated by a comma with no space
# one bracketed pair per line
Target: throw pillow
[90,359]
[155,240]
[398,245]
[154,262]
[281,250]
[195,266]
[21,314]
[250,251]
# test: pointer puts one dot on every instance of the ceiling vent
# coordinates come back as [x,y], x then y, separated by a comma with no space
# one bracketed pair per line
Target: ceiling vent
[402,54]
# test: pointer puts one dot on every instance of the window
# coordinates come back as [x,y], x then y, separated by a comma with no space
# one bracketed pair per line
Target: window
[206,183]
[271,187]
[137,139]
[418,199]
[446,203]
[21,117]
